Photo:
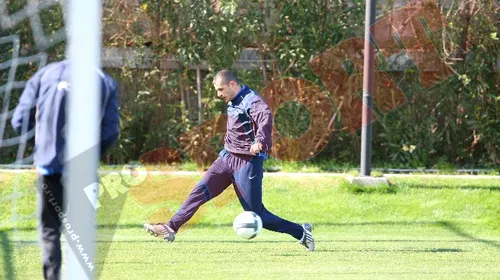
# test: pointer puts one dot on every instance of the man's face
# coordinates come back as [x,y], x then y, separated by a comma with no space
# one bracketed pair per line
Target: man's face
[226,92]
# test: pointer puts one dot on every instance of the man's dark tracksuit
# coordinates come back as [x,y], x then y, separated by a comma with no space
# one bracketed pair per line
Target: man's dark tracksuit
[249,120]
[42,107]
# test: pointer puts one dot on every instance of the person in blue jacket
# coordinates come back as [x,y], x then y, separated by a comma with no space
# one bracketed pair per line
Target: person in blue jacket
[42,107]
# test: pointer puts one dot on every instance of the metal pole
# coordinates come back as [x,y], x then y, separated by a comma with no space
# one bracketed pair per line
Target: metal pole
[368,69]
[198,87]
[83,135]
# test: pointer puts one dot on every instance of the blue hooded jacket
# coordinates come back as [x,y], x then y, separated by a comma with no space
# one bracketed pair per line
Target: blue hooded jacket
[42,107]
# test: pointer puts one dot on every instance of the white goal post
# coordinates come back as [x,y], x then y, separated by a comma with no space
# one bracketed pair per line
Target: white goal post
[83,132]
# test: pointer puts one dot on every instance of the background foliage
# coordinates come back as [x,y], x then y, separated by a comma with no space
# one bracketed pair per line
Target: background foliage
[455,124]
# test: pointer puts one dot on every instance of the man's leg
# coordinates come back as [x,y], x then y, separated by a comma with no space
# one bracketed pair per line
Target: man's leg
[214,182]
[50,203]
[248,186]
[248,177]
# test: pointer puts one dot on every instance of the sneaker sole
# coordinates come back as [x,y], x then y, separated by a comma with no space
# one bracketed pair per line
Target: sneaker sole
[150,231]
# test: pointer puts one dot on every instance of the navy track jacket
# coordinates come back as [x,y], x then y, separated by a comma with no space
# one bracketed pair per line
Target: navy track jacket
[249,120]
[42,107]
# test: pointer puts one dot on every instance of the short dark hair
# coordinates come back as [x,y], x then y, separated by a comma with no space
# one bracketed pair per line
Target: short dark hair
[226,76]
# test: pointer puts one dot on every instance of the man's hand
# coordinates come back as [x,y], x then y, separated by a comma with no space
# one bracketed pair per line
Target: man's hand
[255,148]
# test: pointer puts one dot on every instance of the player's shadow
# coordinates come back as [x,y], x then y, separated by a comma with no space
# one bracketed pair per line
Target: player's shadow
[7,256]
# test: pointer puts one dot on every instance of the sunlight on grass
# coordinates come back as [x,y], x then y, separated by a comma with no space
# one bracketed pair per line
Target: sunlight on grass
[419,227]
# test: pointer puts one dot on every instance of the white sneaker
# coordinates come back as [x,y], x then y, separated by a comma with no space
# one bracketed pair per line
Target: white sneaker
[307,239]
[161,230]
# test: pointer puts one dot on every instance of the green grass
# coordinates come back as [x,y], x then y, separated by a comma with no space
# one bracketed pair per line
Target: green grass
[322,166]
[424,228]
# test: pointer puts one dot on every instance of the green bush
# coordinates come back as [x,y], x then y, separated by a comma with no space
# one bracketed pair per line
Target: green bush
[452,125]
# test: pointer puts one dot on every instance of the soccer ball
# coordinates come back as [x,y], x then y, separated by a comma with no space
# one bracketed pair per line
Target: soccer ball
[247,225]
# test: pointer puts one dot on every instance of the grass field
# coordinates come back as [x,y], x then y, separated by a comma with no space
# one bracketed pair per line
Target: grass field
[420,228]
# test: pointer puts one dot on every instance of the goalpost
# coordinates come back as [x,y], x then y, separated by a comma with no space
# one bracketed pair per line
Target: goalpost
[83,112]
[27,49]
[83,133]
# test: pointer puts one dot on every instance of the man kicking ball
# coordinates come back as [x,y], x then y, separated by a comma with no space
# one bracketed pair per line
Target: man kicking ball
[246,144]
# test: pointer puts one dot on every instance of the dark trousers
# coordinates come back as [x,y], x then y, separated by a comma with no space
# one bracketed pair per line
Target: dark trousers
[246,174]
[50,206]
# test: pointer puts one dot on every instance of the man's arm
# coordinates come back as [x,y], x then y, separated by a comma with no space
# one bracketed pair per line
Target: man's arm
[25,110]
[263,120]
[111,119]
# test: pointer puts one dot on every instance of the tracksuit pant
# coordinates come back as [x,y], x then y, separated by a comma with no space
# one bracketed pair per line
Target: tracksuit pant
[245,173]
[50,204]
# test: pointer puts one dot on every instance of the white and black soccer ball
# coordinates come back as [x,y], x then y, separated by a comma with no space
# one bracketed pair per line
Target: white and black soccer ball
[247,225]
